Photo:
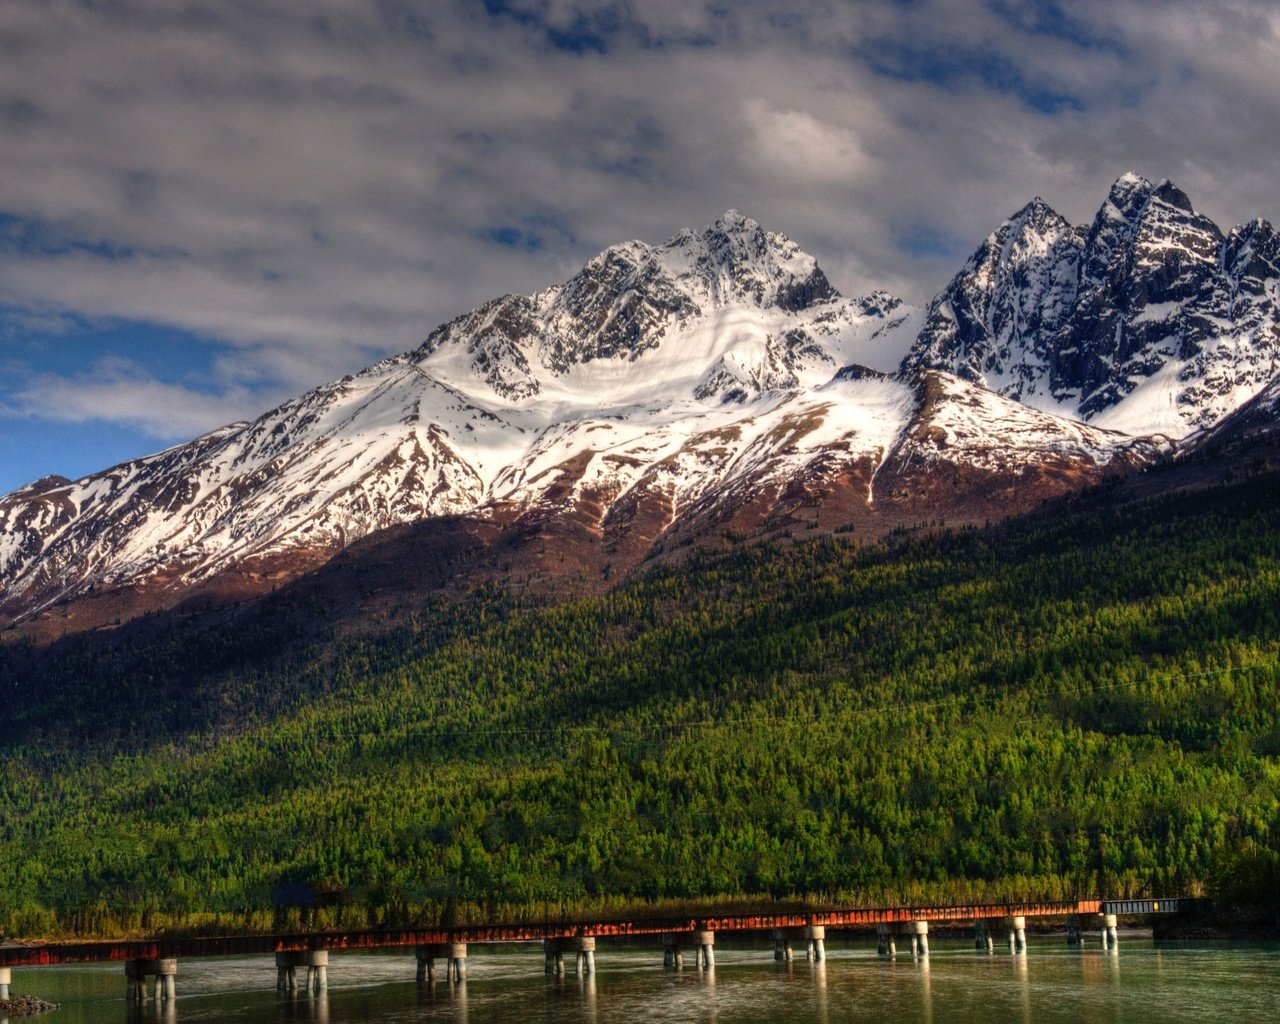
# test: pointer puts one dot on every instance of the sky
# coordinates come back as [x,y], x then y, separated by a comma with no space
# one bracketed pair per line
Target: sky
[208,206]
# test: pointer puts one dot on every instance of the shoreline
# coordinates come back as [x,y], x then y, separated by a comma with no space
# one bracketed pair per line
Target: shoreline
[26,1006]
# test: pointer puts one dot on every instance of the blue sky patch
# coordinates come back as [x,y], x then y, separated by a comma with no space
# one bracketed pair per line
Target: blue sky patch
[25,237]
[956,68]
[170,354]
[923,242]
[36,442]
[584,34]
[1049,19]
[516,238]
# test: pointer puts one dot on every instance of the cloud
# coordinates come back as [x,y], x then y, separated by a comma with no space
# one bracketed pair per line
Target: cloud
[802,149]
[317,184]
[117,391]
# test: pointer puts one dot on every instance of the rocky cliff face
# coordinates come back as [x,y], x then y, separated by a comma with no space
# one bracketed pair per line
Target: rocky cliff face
[1149,320]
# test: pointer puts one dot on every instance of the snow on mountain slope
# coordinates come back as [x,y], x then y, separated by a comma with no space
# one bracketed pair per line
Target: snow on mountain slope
[640,355]
[311,476]
[727,312]
[1147,321]
[663,389]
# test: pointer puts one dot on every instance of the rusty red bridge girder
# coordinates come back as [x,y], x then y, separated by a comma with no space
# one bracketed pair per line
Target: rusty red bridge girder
[29,954]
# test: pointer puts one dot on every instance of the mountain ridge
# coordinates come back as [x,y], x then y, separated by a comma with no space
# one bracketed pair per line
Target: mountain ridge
[1150,319]
[667,394]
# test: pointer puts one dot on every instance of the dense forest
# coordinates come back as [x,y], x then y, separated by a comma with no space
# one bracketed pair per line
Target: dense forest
[1079,702]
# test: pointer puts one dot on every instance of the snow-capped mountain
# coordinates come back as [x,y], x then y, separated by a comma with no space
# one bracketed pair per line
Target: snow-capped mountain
[714,384]
[1149,320]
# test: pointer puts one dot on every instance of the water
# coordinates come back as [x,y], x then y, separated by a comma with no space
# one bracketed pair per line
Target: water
[1232,982]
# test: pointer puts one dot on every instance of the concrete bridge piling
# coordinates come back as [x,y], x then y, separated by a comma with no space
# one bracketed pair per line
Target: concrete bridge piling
[316,964]
[886,940]
[1110,940]
[781,945]
[1017,927]
[454,955]
[703,943]
[583,947]
[919,938]
[164,971]
[6,979]
[814,936]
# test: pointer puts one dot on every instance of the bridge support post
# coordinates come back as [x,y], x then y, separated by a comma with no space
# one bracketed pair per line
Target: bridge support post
[454,954]
[815,941]
[583,947]
[886,941]
[919,938]
[286,972]
[1073,930]
[706,944]
[703,943]
[983,941]
[1017,933]
[458,960]
[781,945]
[6,979]
[1110,939]
[164,971]
[317,964]
[426,964]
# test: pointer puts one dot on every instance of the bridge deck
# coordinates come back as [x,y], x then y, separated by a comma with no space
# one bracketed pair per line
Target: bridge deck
[86,952]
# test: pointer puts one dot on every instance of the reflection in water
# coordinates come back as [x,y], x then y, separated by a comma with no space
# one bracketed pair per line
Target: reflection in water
[577,990]
[445,994]
[164,1011]
[587,986]
[926,992]
[1216,986]
[1024,986]
[303,1006]
[819,971]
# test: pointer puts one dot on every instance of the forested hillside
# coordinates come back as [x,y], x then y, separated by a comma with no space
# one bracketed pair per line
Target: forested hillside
[1083,701]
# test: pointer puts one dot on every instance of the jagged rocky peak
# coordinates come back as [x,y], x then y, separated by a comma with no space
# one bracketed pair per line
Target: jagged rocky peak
[1251,255]
[1015,288]
[1148,320]
[1127,197]
[625,300]
[630,300]
[736,260]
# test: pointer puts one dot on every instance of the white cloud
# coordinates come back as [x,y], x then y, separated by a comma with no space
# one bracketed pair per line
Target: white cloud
[801,149]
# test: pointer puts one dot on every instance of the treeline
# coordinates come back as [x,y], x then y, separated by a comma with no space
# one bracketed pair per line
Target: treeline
[1080,702]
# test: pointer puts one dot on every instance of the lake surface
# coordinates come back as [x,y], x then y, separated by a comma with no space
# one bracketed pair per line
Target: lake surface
[506,985]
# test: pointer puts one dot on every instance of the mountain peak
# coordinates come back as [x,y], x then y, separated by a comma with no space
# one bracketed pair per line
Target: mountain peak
[734,221]
[1127,197]
[1168,192]
[1149,321]
[1037,217]
[731,289]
